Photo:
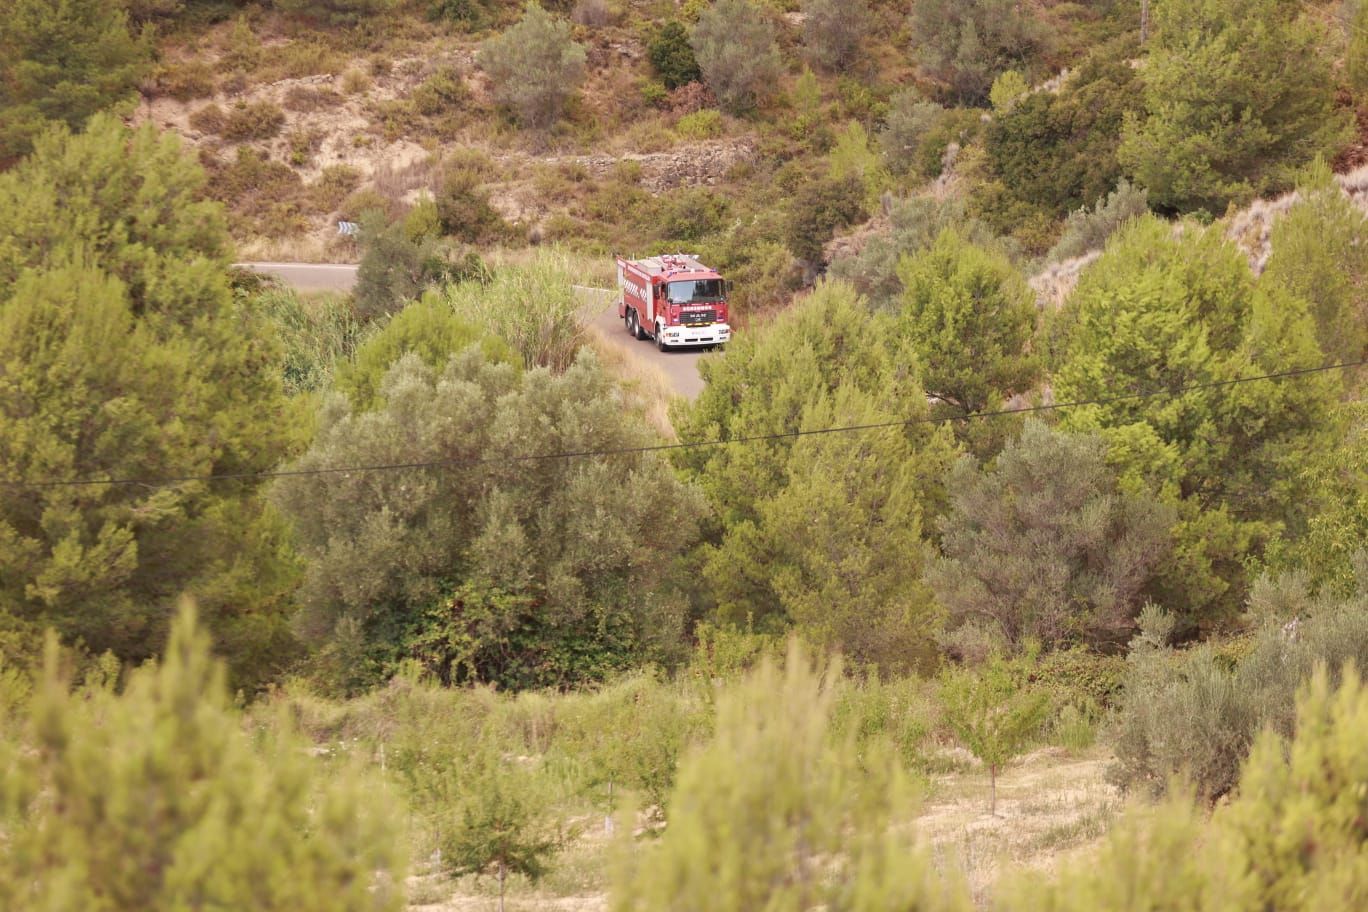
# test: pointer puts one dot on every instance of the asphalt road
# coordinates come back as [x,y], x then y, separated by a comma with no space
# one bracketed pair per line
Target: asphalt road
[680,368]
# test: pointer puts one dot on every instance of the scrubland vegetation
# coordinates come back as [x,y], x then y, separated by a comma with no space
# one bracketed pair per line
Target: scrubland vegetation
[1042,447]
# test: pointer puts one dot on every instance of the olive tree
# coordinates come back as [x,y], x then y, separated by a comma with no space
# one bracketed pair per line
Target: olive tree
[734,42]
[535,67]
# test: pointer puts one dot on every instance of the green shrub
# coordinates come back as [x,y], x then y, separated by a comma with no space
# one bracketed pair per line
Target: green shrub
[705,124]
[335,12]
[1192,712]
[1087,230]
[834,30]
[825,837]
[965,43]
[521,572]
[535,67]
[734,42]
[428,328]
[1056,151]
[157,798]
[208,119]
[817,210]
[671,56]
[439,93]
[252,120]
[316,334]
[464,210]
[333,186]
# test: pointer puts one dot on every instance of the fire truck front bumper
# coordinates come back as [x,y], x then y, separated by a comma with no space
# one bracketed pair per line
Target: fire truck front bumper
[712,334]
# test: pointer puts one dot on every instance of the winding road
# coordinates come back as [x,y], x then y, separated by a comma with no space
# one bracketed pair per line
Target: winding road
[680,368]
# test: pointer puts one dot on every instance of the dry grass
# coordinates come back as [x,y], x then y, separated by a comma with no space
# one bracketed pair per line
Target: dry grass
[1050,805]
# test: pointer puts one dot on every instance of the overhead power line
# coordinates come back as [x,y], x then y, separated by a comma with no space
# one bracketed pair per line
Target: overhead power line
[1170,392]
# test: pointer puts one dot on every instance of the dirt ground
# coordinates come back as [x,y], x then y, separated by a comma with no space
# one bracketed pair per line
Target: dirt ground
[1052,805]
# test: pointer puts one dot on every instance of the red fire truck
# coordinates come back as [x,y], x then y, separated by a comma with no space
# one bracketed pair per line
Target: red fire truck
[673,299]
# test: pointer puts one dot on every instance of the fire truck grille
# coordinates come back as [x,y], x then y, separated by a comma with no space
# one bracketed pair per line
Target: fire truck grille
[698,317]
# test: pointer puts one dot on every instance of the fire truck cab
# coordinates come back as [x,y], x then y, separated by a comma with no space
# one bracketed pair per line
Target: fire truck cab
[673,299]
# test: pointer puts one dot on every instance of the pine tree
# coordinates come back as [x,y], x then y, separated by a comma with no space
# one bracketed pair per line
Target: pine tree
[1238,96]
[777,813]
[124,356]
[157,798]
[62,61]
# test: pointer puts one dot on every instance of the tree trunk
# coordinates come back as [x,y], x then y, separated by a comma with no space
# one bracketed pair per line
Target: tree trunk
[1144,20]
[501,886]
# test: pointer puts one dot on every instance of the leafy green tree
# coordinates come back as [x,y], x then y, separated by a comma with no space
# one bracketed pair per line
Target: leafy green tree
[838,552]
[907,129]
[1238,97]
[535,66]
[914,224]
[1356,53]
[1320,254]
[817,210]
[970,316]
[494,565]
[822,532]
[124,356]
[671,56]
[1042,545]
[62,61]
[1158,312]
[965,43]
[994,711]
[394,270]
[501,823]
[1057,151]
[157,798]
[806,821]
[734,43]
[429,328]
[834,31]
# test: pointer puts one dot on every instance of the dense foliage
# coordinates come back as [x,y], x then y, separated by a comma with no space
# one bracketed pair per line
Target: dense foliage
[124,357]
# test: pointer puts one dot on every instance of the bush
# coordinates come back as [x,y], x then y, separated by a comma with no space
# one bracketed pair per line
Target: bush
[1289,839]
[734,42]
[817,210]
[966,43]
[394,269]
[1043,546]
[254,120]
[671,56]
[705,124]
[157,798]
[834,30]
[535,67]
[1056,151]
[463,207]
[909,123]
[826,831]
[316,335]
[533,308]
[1192,712]
[427,328]
[1086,230]
[487,566]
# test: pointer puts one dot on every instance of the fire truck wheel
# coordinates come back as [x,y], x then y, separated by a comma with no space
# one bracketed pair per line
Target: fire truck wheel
[637,332]
[660,338]
[627,322]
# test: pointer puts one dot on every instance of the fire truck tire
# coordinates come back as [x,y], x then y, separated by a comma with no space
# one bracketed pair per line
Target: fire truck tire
[660,338]
[637,332]
[627,322]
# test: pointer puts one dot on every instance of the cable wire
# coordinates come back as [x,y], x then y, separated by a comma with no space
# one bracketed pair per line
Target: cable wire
[682,445]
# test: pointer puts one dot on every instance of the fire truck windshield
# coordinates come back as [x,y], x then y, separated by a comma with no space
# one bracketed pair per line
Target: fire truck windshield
[698,291]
